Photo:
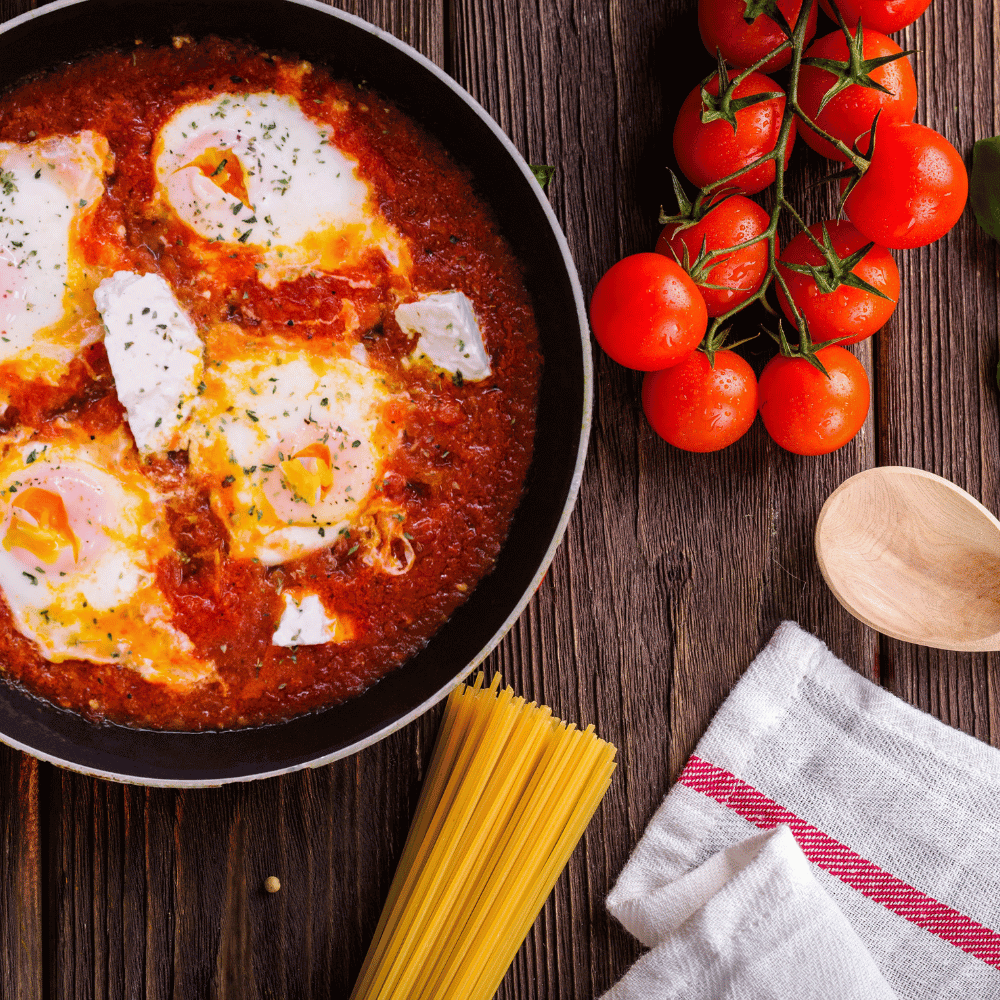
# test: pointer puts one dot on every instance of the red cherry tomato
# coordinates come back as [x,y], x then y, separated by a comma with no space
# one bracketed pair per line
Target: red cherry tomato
[733,221]
[707,153]
[723,28]
[700,408]
[849,115]
[809,413]
[647,313]
[845,310]
[914,190]
[887,16]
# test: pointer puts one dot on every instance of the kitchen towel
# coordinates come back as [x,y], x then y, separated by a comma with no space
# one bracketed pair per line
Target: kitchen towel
[879,873]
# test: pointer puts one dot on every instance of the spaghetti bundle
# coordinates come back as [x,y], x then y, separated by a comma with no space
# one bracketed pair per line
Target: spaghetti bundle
[508,794]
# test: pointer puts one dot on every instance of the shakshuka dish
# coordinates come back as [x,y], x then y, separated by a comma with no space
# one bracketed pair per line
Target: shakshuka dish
[268,376]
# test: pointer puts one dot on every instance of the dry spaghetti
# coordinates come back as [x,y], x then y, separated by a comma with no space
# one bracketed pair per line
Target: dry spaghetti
[508,794]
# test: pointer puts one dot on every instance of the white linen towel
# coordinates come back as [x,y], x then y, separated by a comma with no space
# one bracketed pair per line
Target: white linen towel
[879,876]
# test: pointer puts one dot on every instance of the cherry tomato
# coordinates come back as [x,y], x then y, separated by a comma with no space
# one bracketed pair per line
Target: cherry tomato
[724,28]
[849,115]
[809,413]
[914,190]
[647,313]
[700,408]
[844,310]
[707,153]
[735,220]
[887,16]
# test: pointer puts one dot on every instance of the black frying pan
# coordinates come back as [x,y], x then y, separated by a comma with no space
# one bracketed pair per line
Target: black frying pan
[354,50]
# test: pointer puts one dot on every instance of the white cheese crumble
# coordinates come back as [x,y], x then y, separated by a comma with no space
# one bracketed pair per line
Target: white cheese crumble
[304,623]
[450,337]
[155,354]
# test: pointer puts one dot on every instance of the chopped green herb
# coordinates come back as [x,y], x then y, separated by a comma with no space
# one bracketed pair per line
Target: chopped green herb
[543,173]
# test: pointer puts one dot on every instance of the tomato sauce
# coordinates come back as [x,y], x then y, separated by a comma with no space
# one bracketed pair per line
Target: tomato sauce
[466,447]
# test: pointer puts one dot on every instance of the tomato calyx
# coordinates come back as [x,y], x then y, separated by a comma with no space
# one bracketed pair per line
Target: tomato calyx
[716,340]
[685,216]
[752,9]
[723,106]
[855,70]
[805,350]
[690,214]
[700,266]
[861,161]
[836,270]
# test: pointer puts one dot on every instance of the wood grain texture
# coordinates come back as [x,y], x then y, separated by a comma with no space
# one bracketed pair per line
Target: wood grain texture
[675,570]
[21,931]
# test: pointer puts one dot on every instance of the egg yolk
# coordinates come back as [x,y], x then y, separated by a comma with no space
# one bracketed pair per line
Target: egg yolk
[47,532]
[223,168]
[309,472]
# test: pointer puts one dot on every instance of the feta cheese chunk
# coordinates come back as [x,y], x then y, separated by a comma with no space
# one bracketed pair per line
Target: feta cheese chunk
[304,623]
[155,354]
[449,334]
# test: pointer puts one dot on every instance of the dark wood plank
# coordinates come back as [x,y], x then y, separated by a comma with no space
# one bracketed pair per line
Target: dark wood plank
[21,921]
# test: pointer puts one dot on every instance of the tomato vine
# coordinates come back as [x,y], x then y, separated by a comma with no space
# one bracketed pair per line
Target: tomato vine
[724,106]
[720,252]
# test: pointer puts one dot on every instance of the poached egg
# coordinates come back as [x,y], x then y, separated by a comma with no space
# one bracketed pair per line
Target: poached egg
[49,190]
[78,550]
[254,169]
[291,440]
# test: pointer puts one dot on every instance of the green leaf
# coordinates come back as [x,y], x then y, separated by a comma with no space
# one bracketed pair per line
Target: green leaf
[543,173]
[984,185]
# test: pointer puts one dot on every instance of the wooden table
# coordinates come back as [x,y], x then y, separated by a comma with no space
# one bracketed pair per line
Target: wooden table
[675,570]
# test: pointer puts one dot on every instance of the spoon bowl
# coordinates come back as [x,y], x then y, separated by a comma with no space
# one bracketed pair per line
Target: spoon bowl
[915,557]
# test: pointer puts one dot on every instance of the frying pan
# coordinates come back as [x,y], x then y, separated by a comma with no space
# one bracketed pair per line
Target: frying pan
[350,49]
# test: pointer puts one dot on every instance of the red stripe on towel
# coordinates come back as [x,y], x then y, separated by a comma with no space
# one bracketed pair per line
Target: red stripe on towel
[837,859]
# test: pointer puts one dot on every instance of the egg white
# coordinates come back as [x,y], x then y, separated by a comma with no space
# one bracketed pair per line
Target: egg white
[254,169]
[49,190]
[98,601]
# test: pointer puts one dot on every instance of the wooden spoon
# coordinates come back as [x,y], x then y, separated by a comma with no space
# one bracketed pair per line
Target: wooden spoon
[913,556]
